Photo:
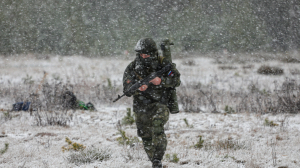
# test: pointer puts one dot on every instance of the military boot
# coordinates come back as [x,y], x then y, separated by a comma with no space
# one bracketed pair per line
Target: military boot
[156,163]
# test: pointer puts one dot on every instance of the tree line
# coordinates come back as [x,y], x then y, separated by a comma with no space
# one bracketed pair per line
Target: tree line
[108,27]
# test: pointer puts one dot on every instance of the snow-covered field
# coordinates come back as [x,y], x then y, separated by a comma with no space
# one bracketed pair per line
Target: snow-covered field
[230,140]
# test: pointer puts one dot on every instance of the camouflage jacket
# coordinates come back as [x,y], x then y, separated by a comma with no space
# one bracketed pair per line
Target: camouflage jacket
[159,93]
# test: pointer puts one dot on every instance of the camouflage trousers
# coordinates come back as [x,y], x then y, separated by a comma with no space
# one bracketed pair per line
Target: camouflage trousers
[150,123]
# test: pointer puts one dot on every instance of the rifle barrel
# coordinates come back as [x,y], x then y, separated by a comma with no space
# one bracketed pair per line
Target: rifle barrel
[119,97]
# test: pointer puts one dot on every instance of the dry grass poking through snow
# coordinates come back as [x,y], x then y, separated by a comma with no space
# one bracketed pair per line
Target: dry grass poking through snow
[244,119]
[229,140]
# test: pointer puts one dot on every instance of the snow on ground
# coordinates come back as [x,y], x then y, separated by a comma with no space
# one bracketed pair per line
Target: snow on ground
[34,146]
[74,69]
[248,141]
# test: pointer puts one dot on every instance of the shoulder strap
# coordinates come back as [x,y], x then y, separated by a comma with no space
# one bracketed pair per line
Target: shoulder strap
[134,61]
[160,59]
[137,75]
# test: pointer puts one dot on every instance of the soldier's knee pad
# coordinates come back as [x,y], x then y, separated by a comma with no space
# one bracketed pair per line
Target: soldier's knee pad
[158,126]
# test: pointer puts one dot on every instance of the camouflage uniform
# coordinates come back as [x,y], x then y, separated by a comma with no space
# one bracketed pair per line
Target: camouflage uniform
[151,106]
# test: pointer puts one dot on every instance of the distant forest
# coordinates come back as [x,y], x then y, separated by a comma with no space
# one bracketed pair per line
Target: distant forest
[109,27]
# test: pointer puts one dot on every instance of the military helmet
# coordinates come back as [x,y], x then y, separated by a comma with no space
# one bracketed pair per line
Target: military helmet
[146,45]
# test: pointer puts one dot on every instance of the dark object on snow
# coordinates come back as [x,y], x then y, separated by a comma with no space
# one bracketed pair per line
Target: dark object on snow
[21,106]
[90,106]
[69,100]
[268,70]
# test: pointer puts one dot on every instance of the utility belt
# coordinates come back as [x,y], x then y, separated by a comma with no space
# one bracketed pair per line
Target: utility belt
[146,101]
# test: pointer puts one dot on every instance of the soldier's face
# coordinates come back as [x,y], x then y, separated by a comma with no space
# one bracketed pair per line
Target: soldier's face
[144,56]
[147,59]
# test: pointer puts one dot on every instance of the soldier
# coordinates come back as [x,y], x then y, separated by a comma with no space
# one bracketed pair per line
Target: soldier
[150,103]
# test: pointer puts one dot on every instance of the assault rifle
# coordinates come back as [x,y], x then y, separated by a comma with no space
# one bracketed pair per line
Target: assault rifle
[145,81]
